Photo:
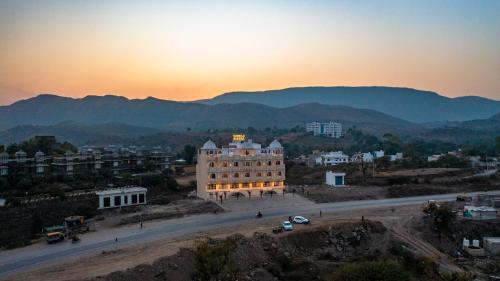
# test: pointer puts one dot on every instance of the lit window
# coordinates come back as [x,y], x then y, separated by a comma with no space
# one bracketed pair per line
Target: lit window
[235,185]
[259,174]
[246,184]
[211,186]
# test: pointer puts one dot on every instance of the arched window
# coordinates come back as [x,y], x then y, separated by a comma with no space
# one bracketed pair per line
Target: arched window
[212,164]
[247,175]
[212,176]
[236,175]
[279,173]
[278,162]
[269,163]
[259,163]
[259,174]
[236,164]
[269,174]
[224,164]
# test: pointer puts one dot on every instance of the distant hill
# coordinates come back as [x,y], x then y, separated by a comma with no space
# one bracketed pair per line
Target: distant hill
[48,110]
[76,133]
[405,103]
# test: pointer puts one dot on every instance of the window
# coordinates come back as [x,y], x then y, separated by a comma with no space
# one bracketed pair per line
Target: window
[247,152]
[235,185]
[125,198]
[254,184]
[278,163]
[259,163]
[235,164]
[211,186]
[142,198]
[276,183]
[247,175]
[236,175]
[224,164]
[269,174]
[248,164]
[225,176]
[212,176]
[279,173]
[107,202]
[118,200]
[212,164]
[246,185]
[269,163]
[267,184]
[134,198]
[259,174]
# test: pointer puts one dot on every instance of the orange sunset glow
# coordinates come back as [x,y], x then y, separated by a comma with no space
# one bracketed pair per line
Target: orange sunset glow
[193,50]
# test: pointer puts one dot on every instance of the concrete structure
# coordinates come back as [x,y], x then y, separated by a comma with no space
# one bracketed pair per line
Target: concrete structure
[331,129]
[396,157]
[122,197]
[335,179]
[332,158]
[492,245]
[479,213]
[366,157]
[241,168]
[378,154]
[434,158]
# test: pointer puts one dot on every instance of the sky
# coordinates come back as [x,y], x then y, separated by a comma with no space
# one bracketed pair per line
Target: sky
[189,50]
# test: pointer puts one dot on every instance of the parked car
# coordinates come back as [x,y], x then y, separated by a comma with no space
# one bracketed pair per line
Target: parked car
[287,225]
[300,220]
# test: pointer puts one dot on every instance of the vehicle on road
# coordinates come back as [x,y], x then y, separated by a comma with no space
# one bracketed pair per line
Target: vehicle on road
[54,237]
[300,220]
[464,197]
[258,215]
[287,226]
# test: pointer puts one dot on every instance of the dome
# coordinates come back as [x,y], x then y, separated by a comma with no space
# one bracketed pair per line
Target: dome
[20,153]
[209,145]
[275,144]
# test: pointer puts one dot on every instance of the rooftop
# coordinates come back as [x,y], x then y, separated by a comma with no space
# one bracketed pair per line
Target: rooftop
[122,190]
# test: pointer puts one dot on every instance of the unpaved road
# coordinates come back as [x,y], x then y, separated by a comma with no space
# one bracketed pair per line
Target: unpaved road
[18,260]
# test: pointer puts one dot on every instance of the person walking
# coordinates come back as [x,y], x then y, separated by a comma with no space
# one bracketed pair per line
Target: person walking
[141,224]
[320,213]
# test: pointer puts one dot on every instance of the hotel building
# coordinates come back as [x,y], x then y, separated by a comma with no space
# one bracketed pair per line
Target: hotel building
[331,129]
[243,168]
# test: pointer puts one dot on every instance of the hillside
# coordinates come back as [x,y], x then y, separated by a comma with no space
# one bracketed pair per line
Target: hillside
[48,110]
[405,103]
[77,133]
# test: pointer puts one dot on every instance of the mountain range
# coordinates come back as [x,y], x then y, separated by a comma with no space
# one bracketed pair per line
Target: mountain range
[405,103]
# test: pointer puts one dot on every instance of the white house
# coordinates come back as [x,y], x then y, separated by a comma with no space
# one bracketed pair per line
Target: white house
[479,213]
[434,158]
[378,154]
[121,197]
[397,156]
[335,179]
[332,158]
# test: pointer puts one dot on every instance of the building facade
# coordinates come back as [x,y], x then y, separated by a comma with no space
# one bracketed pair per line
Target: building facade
[332,158]
[122,197]
[331,129]
[241,168]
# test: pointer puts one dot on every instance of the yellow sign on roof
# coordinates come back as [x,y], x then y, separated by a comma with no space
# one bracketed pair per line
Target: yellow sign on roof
[238,137]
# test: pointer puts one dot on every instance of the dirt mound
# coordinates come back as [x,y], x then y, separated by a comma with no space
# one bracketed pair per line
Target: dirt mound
[299,255]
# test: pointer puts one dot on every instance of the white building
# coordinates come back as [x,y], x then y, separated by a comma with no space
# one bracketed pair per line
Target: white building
[366,157]
[378,154]
[396,157]
[335,179]
[122,197]
[332,158]
[331,129]
[480,213]
[434,158]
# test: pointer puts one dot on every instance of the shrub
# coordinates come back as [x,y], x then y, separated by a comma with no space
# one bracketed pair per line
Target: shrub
[371,271]
[212,260]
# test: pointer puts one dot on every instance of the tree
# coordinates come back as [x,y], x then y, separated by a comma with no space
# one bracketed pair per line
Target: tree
[189,153]
[172,184]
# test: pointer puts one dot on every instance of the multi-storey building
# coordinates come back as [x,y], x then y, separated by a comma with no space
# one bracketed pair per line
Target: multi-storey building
[241,168]
[331,129]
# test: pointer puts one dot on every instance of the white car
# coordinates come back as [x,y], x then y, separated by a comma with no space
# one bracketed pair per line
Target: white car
[287,225]
[300,220]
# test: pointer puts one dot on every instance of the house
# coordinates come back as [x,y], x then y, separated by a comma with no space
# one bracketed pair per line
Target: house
[396,157]
[492,245]
[479,213]
[434,158]
[335,179]
[378,154]
[332,158]
[365,157]
[122,197]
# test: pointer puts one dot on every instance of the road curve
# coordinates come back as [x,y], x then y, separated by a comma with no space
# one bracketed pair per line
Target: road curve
[17,260]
